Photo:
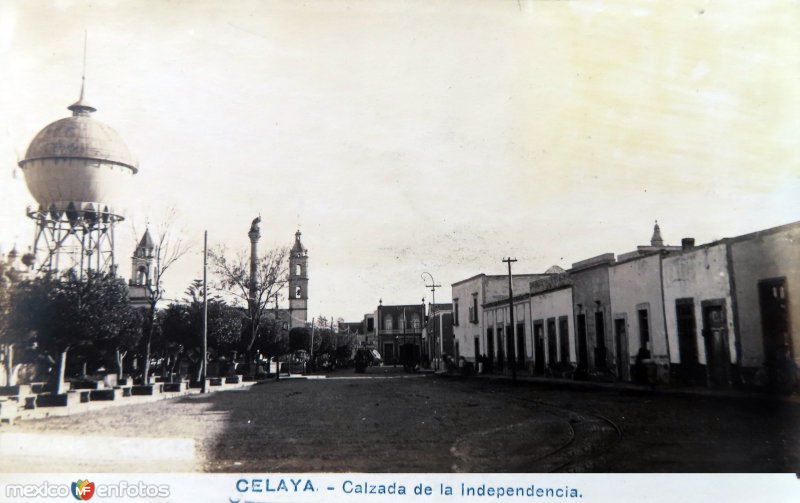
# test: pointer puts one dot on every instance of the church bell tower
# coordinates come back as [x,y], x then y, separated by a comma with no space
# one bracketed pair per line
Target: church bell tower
[142,271]
[298,284]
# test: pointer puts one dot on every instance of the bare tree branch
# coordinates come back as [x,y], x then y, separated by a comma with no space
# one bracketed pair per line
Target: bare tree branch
[169,248]
[233,281]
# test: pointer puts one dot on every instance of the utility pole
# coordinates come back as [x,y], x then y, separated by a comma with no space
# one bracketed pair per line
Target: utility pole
[512,356]
[433,286]
[405,359]
[429,341]
[378,329]
[204,381]
[311,361]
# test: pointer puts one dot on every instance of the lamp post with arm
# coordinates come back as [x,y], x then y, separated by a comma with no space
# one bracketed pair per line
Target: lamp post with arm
[423,328]
[433,286]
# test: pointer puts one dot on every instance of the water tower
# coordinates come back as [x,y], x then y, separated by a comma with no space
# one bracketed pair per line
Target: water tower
[75,168]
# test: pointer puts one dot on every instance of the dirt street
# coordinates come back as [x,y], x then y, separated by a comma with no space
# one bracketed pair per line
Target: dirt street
[388,421]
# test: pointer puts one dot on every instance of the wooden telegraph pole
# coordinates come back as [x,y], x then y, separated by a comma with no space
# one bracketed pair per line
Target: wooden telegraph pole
[433,286]
[512,354]
[203,376]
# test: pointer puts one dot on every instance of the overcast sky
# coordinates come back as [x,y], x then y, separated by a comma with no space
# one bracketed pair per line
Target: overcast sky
[403,137]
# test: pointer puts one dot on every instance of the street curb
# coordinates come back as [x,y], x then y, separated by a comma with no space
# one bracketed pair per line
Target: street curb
[82,408]
[627,388]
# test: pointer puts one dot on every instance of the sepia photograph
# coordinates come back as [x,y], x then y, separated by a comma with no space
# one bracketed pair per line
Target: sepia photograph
[396,237]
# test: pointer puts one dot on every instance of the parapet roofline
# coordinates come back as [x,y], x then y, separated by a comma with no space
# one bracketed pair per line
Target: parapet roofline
[598,260]
[468,279]
[765,232]
[624,258]
[442,305]
[499,276]
[744,237]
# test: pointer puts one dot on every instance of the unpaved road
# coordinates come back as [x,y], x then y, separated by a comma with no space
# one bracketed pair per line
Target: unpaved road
[391,422]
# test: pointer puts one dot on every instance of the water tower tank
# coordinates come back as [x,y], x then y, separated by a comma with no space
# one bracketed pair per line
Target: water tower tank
[77,164]
[75,168]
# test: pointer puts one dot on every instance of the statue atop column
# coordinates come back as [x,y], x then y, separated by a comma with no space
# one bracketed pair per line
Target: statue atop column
[255,231]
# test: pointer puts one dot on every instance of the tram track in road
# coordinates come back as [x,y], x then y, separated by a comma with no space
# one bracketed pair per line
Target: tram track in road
[588,445]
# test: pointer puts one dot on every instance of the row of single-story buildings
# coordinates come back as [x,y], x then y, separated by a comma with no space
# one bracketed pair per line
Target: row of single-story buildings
[717,314]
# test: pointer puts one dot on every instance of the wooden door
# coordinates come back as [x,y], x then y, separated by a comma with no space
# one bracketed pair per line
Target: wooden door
[621,343]
[716,342]
[583,350]
[775,320]
[538,341]
[689,371]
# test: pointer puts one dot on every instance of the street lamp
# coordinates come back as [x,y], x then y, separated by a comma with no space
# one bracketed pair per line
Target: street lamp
[433,286]
[396,341]
[311,349]
[405,342]
[423,327]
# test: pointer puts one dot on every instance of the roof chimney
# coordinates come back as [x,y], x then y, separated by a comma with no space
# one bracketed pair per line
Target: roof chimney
[687,243]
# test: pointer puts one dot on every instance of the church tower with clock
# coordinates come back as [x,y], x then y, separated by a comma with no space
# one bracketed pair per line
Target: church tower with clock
[298,284]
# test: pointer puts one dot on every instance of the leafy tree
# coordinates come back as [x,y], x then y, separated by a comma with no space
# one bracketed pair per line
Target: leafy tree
[299,339]
[346,344]
[113,350]
[320,322]
[224,327]
[181,327]
[225,322]
[346,340]
[73,314]
[9,337]
[273,340]
[174,333]
[324,341]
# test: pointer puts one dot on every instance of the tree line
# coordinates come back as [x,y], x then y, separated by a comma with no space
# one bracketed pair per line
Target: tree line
[66,325]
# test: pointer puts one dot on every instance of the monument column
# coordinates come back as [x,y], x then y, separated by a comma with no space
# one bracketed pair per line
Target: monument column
[254,235]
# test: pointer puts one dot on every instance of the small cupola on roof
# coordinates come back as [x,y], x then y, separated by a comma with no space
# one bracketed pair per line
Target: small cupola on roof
[656,240]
